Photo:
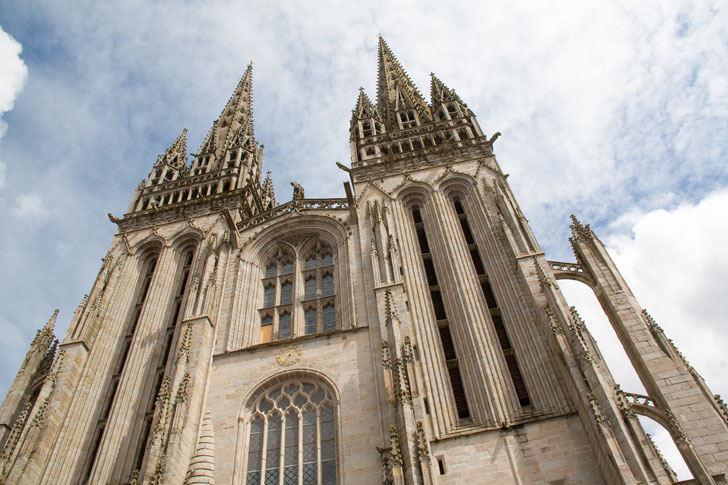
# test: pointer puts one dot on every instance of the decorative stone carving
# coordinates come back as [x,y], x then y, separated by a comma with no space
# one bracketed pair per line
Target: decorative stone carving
[298,192]
[543,279]
[581,232]
[423,449]
[408,355]
[402,391]
[722,407]
[183,388]
[676,430]
[387,473]
[40,415]
[12,441]
[553,321]
[624,405]
[162,410]
[386,355]
[184,348]
[396,451]
[597,410]
[578,327]
[665,465]
[390,310]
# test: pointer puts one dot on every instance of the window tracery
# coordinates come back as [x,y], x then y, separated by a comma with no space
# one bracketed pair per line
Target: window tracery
[299,291]
[318,303]
[278,286]
[292,438]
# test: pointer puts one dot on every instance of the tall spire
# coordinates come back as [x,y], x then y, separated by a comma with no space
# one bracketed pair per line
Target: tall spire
[235,125]
[395,90]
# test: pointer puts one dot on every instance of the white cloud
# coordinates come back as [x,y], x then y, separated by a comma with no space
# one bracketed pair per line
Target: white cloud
[29,207]
[676,264]
[12,79]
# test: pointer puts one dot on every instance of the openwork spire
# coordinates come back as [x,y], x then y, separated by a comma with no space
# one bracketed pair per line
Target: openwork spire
[395,90]
[176,155]
[364,107]
[235,125]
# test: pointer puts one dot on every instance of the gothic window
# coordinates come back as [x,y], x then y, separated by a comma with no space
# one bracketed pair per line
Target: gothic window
[278,287]
[319,292]
[509,354]
[299,292]
[296,421]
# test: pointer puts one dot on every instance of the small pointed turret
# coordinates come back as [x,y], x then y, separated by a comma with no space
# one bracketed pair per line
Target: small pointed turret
[364,108]
[176,155]
[445,102]
[171,162]
[395,90]
[21,390]
[44,337]
[365,118]
[439,93]
[268,196]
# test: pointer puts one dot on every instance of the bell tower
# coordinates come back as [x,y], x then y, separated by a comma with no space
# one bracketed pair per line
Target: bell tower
[464,287]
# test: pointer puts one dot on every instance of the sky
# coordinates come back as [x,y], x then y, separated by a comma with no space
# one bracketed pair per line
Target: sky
[616,112]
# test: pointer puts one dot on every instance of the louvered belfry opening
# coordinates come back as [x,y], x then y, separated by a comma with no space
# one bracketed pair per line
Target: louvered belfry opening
[149,267]
[495,313]
[170,334]
[448,347]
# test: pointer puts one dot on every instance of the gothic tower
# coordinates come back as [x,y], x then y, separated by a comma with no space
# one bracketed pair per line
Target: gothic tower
[412,332]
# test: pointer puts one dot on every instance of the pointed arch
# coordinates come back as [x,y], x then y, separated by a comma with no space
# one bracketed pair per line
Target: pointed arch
[416,192]
[302,300]
[409,187]
[453,183]
[186,236]
[152,242]
[296,414]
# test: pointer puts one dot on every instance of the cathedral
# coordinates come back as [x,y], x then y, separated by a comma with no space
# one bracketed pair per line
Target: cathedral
[410,332]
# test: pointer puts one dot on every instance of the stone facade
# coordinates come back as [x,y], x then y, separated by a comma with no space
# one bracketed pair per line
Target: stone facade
[412,332]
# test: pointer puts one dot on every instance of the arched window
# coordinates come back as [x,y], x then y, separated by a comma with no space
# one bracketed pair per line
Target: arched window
[147,274]
[182,283]
[440,312]
[278,287]
[509,354]
[292,438]
[318,299]
[299,291]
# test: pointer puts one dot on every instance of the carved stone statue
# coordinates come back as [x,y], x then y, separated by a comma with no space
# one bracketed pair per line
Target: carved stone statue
[297,191]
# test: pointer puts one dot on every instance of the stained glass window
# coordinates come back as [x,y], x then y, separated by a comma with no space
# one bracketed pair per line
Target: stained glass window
[299,423]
